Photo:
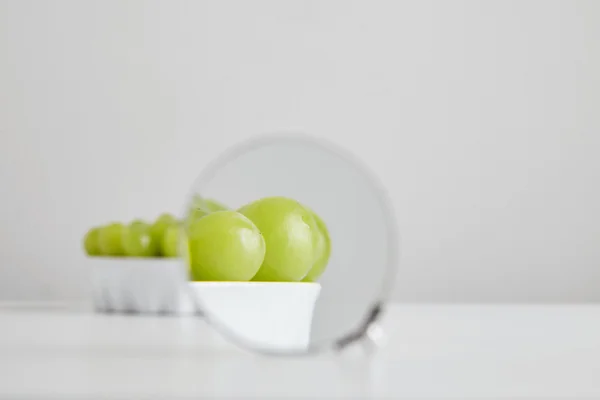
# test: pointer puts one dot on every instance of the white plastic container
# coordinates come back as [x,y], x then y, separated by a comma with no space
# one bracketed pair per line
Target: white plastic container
[139,285]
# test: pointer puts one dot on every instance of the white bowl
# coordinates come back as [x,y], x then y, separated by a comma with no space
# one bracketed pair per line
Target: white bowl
[139,285]
[264,315]
[267,315]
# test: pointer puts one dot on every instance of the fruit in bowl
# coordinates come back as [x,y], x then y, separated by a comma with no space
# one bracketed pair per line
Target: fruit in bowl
[239,263]
[110,239]
[159,227]
[90,242]
[225,246]
[171,241]
[321,248]
[273,239]
[288,229]
[201,207]
[138,240]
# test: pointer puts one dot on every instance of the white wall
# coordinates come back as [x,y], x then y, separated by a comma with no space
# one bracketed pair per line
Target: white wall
[481,117]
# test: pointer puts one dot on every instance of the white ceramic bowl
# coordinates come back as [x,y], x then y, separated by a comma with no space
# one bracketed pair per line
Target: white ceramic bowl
[264,315]
[139,285]
[269,315]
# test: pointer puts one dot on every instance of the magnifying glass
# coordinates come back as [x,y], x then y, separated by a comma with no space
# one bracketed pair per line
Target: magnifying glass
[290,246]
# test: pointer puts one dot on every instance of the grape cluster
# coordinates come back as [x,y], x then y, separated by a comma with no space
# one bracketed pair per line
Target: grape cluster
[137,239]
[271,239]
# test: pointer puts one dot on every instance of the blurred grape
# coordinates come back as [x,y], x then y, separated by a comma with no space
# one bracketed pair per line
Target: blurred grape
[171,240]
[110,239]
[138,241]
[158,228]
[90,242]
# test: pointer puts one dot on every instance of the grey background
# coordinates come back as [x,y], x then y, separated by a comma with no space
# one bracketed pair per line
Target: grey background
[480,117]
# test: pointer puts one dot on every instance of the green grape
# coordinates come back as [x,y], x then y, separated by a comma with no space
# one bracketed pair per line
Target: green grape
[225,246]
[213,205]
[138,241]
[90,242]
[210,205]
[159,226]
[288,231]
[139,222]
[171,240]
[175,244]
[201,207]
[322,245]
[110,239]
[196,213]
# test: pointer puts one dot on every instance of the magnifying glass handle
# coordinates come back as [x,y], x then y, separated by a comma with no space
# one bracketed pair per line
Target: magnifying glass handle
[374,339]
[371,335]
[356,358]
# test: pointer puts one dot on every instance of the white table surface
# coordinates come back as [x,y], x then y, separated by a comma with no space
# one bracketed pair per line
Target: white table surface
[433,351]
